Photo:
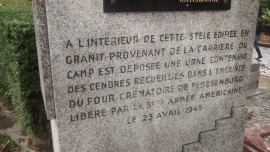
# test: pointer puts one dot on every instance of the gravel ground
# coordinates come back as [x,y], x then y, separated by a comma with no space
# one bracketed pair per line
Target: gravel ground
[258,110]
[259,106]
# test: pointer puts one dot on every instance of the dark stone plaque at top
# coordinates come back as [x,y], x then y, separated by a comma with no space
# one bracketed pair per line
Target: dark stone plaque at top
[165,5]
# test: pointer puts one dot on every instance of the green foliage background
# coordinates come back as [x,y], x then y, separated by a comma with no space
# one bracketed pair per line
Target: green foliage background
[266,16]
[264,4]
[19,77]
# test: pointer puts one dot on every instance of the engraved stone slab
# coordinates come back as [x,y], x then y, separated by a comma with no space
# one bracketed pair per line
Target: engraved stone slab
[148,81]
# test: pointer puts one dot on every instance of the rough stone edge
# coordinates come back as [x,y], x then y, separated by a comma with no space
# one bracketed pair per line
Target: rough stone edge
[42,42]
[214,129]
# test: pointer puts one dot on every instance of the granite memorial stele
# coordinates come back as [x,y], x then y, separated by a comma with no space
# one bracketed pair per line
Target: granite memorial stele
[145,75]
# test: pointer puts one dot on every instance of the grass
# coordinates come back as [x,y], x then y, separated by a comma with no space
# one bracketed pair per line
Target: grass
[10,10]
[16,3]
[19,81]
[18,9]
